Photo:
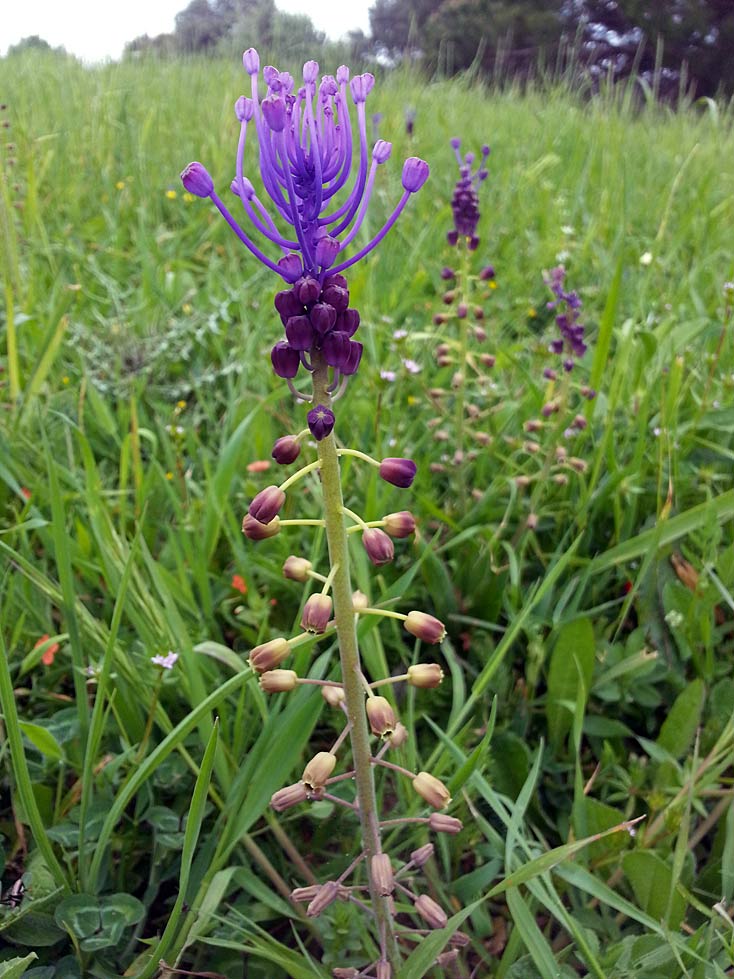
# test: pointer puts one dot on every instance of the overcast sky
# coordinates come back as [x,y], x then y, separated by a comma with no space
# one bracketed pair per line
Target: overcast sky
[98,29]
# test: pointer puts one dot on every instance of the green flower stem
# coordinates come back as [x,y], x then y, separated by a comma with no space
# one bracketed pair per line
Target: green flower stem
[299,475]
[350,661]
[358,455]
[361,525]
[385,612]
[460,391]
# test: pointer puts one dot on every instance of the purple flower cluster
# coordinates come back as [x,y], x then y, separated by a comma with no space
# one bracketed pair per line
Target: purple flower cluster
[568,304]
[306,157]
[465,202]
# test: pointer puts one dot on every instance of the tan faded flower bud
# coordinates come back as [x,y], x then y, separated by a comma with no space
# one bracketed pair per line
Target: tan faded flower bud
[426,675]
[278,681]
[305,893]
[399,736]
[441,823]
[432,790]
[359,601]
[382,875]
[447,959]
[459,939]
[289,796]
[383,970]
[425,627]
[381,716]
[333,694]
[422,855]
[296,568]
[432,913]
[348,973]
[400,524]
[269,655]
[316,613]
[327,894]
[254,530]
[318,770]
[580,465]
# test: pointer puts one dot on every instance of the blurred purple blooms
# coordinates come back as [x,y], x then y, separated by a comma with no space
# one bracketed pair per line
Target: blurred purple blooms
[316,169]
[465,202]
[568,310]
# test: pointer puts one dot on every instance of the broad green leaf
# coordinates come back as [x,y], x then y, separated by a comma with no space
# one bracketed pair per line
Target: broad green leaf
[14,968]
[679,727]
[42,739]
[571,665]
[652,882]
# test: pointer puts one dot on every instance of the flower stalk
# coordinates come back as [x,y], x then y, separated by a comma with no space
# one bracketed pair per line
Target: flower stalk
[346,630]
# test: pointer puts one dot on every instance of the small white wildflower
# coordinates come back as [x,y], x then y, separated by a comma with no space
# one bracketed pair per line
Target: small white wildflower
[674,619]
[388,376]
[412,367]
[646,258]
[400,334]
[568,229]
[166,662]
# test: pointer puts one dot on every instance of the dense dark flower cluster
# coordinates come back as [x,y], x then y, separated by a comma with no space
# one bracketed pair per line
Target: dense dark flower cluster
[465,202]
[568,305]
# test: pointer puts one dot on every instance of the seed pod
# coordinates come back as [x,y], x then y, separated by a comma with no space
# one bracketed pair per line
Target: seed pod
[289,796]
[432,913]
[441,823]
[422,855]
[382,874]
[328,893]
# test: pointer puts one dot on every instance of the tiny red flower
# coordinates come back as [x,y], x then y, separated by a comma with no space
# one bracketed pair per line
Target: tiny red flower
[238,583]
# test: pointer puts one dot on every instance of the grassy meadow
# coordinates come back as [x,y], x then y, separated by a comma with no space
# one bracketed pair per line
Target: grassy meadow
[583,565]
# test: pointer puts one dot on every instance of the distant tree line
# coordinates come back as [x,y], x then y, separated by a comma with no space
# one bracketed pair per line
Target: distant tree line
[671,43]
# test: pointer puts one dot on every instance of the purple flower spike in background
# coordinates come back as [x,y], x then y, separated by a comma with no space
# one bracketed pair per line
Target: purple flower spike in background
[568,309]
[319,174]
[465,202]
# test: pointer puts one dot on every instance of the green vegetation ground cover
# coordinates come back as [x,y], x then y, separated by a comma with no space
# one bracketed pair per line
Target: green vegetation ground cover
[136,334]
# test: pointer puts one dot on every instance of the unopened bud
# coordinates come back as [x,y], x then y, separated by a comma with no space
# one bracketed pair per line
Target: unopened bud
[478,313]
[425,675]
[316,613]
[328,893]
[382,875]
[560,479]
[561,453]
[381,716]
[488,360]
[318,770]
[532,522]
[578,464]
[432,790]
[422,855]
[439,822]
[533,425]
[447,959]
[383,970]
[379,547]
[345,973]
[457,380]
[286,798]
[531,447]
[332,694]
[448,297]
[299,894]
[401,524]
[267,504]
[254,530]
[579,422]
[459,939]
[296,568]
[286,450]
[399,472]
[480,334]
[461,311]
[550,408]
[425,627]
[278,681]
[522,482]
[432,913]
[399,736]
[269,655]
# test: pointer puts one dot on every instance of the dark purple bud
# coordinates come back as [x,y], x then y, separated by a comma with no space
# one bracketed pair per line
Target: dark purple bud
[251,61]
[354,357]
[196,180]
[285,360]
[288,304]
[415,174]
[568,364]
[267,504]
[337,297]
[399,472]
[299,332]
[486,273]
[254,530]
[273,108]
[286,450]
[347,322]
[335,349]
[452,237]
[549,374]
[473,243]
[291,267]
[316,614]
[447,273]
[308,290]
[380,549]
[323,317]
[327,248]
[320,422]
[335,280]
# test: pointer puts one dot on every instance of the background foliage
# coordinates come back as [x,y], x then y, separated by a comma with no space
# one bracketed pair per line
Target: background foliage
[135,334]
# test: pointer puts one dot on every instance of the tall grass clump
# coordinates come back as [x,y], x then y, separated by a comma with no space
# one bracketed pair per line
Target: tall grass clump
[579,557]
